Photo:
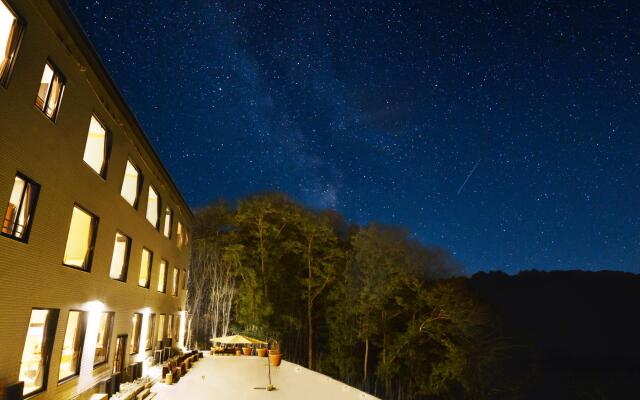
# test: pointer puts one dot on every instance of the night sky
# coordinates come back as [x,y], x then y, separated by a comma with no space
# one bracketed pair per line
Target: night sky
[505,131]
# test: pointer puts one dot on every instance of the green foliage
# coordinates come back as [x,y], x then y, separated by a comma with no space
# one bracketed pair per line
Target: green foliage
[378,308]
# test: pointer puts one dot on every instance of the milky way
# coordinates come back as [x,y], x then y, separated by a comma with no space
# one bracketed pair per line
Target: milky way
[381,109]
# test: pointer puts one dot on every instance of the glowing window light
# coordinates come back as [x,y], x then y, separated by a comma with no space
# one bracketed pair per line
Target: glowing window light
[80,239]
[131,184]
[95,150]
[153,207]
[145,268]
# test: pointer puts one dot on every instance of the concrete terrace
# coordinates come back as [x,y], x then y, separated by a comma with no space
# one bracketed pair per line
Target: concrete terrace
[234,378]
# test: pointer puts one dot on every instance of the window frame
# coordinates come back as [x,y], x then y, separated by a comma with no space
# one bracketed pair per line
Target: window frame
[127,257]
[158,223]
[27,230]
[106,359]
[175,282]
[63,79]
[137,335]
[49,339]
[166,275]
[164,223]
[14,45]
[184,279]
[140,183]
[150,269]
[151,318]
[83,328]
[95,221]
[107,147]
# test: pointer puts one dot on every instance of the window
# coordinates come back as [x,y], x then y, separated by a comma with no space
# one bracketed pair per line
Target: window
[176,327]
[36,354]
[184,279]
[82,235]
[160,331]
[176,278]
[179,235]
[80,241]
[50,91]
[120,258]
[104,339]
[131,184]
[96,151]
[153,207]
[168,219]
[150,322]
[145,268]
[134,347]
[72,345]
[169,325]
[162,279]
[21,207]
[10,35]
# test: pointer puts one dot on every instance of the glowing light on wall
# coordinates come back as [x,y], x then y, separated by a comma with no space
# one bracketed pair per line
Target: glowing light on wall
[95,309]
[182,328]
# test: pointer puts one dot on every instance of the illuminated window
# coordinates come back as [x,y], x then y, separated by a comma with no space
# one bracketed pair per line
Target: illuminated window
[21,207]
[96,150]
[168,219]
[134,346]
[104,339]
[160,333]
[120,258]
[82,234]
[72,345]
[150,322]
[184,279]
[131,184]
[176,327]
[10,33]
[36,354]
[176,278]
[162,278]
[50,91]
[169,325]
[179,235]
[153,207]
[145,268]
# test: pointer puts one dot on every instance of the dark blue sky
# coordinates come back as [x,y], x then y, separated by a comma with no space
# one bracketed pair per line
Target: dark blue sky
[505,131]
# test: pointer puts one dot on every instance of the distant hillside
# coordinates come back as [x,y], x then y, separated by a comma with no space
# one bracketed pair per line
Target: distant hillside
[575,333]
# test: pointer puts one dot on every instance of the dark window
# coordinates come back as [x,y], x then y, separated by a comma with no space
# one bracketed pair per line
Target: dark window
[11,28]
[21,207]
[36,353]
[72,345]
[81,239]
[50,91]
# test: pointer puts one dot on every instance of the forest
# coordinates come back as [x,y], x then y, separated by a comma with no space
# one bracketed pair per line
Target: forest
[375,308]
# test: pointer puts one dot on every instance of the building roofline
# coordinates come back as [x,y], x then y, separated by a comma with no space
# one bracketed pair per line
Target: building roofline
[71,22]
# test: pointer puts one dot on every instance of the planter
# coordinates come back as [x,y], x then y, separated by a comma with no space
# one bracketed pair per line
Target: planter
[262,352]
[246,351]
[275,358]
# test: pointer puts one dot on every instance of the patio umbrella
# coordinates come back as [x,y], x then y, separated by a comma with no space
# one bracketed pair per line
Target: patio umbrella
[237,339]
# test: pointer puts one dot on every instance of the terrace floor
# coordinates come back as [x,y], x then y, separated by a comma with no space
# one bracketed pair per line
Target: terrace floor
[234,378]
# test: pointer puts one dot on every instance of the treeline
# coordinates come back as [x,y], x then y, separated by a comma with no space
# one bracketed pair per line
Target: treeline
[367,305]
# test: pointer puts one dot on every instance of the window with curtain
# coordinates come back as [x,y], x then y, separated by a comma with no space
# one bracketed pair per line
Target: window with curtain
[134,346]
[131,184]
[72,345]
[160,333]
[81,238]
[179,235]
[153,207]
[11,27]
[175,281]
[120,257]
[21,207]
[50,91]
[145,268]
[150,324]
[36,353]
[96,150]
[104,339]
[168,217]
[162,276]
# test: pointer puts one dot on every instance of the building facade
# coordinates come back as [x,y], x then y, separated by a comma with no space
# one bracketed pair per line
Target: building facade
[94,245]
